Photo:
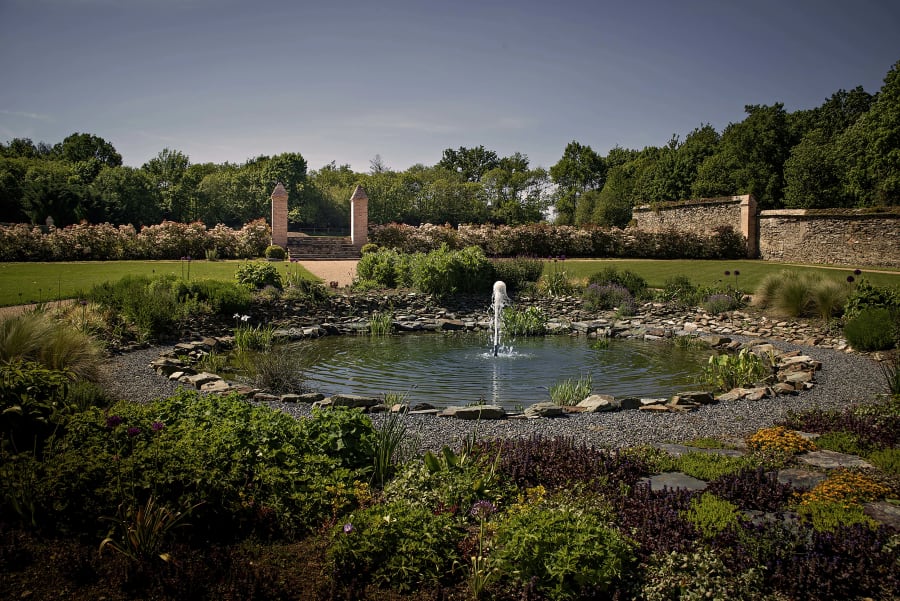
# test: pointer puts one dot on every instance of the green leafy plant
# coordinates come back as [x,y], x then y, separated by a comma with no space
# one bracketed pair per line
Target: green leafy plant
[697,576]
[571,391]
[712,515]
[275,370]
[399,545]
[252,338]
[258,274]
[518,272]
[563,551]
[530,321]
[727,371]
[873,329]
[887,460]
[709,466]
[626,278]
[829,516]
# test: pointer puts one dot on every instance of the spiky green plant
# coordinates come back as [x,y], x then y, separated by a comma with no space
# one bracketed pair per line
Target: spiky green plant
[571,391]
[828,298]
[380,324]
[56,345]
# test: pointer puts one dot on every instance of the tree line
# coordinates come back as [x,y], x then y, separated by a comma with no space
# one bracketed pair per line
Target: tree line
[844,153]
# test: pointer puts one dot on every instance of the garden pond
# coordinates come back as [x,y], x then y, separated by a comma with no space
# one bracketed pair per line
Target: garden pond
[453,370]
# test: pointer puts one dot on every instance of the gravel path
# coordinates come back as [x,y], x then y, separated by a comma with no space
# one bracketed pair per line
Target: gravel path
[342,272]
[844,378]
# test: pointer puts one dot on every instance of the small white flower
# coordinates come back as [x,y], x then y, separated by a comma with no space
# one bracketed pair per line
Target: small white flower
[245,318]
[237,316]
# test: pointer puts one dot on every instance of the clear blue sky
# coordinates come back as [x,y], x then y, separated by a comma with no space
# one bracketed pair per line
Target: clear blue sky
[227,80]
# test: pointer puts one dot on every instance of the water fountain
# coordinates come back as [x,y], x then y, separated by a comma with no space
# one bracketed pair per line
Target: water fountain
[499,300]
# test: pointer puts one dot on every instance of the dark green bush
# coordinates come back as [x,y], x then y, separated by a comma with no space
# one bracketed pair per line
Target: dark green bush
[444,271]
[518,272]
[386,267]
[679,290]
[252,469]
[635,284]
[223,298]
[273,251]
[258,274]
[345,434]
[598,297]
[873,329]
[31,402]
[866,295]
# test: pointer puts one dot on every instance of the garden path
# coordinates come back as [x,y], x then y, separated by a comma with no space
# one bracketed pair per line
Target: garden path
[342,272]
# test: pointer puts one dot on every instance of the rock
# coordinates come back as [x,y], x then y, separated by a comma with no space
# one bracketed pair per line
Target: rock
[715,341]
[630,402]
[543,409]
[597,403]
[290,398]
[756,394]
[198,380]
[648,402]
[784,388]
[674,481]
[883,513]
[310,397]
[831,460]
[422,407]
[798,377]
[353,401]
[475,412]
[656,408]
[451,325]
[701,397]
[216,386]
[265,397]
[800,479]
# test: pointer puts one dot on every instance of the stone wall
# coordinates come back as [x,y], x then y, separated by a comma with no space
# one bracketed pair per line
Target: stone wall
[851,237]
[702,217]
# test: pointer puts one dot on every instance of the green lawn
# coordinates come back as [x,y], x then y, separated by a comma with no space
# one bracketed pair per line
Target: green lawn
[707,273]
[40,282]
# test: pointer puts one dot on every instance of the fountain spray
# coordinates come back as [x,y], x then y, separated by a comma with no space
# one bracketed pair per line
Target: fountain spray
[500,300]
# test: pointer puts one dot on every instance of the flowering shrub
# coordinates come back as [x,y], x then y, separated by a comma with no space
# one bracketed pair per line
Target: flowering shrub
[167,240]
[779,438]
[544,240]
[608,296]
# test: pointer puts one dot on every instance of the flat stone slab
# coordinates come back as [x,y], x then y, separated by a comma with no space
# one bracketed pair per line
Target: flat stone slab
[673,481]
[475,412]
[800,479]
[680,449]
[597,403]
[883,513]
[543,409]
[829,460]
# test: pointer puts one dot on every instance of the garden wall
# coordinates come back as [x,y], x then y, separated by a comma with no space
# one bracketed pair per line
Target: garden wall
[701,217]
[853,237]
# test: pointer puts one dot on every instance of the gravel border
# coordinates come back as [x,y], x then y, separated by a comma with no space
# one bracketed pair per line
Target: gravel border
[844,378]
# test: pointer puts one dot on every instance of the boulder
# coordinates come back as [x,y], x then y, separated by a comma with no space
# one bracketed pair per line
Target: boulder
[832,460]
[198,380]
[597,403]
[216,386]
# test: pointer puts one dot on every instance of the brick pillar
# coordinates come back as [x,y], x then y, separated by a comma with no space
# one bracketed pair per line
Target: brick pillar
[359,217]
[279,216]
[750,224]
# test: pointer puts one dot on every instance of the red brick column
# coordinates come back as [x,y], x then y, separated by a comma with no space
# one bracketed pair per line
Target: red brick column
[280,216]
[359,217]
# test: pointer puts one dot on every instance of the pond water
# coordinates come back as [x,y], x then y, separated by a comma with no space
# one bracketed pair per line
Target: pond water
[447,370]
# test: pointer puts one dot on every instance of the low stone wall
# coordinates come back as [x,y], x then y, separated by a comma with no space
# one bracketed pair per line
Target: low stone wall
[850,237]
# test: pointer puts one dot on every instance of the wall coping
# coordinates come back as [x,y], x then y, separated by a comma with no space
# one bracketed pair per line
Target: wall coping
[885,212]
[680,204]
